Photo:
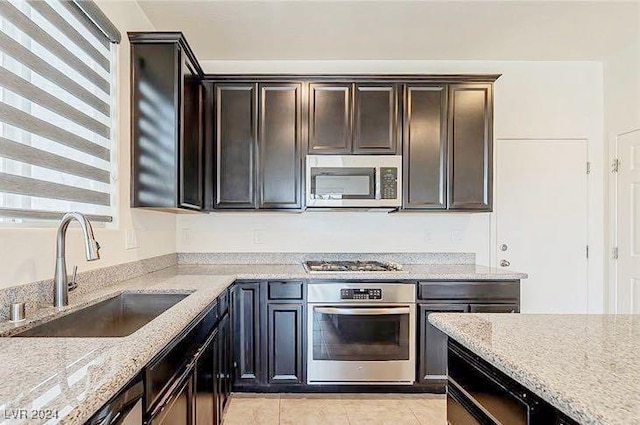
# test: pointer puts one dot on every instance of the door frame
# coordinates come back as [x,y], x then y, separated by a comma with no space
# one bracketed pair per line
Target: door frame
[493,245]
[612,239]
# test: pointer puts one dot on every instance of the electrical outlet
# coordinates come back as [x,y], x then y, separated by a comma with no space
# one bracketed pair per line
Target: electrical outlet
[427,235]
[457,235]
[259,237]
[186,236]
[130,239]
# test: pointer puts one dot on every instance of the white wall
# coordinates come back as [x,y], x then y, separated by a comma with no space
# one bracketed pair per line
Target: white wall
[537,100]
[621,115]
[28,254]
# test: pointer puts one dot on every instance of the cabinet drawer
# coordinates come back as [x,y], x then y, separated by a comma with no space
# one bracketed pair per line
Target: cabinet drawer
[469,291]
[495,398]
[494,308]
[174,359]
[285,290]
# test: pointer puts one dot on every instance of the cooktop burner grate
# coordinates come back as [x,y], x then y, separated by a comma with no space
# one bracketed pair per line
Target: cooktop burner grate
[351,266]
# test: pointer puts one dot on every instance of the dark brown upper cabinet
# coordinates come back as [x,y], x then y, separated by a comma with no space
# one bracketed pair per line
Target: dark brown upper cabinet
[330,117]
[470,147]
[167,158]
[280,145]
[376,129]
[236,135]
[425,146]
[258,145]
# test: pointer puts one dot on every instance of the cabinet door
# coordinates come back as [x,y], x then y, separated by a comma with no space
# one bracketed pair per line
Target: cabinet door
[155,76]
[279,145]
[191,146]
[206,391]
[433,343]
[224,364]
[376,119]
[246,331]
[285,339]
[494,308]
[424,146]
[330,118]
[179,409]
[236,141]
[470,146]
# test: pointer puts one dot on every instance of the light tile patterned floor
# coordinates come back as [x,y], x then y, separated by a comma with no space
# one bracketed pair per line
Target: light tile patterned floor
[336,409]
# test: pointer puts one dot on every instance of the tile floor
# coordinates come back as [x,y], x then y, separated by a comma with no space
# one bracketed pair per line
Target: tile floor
[336,409]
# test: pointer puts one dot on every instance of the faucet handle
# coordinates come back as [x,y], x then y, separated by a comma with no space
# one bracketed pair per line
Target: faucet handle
[72,283]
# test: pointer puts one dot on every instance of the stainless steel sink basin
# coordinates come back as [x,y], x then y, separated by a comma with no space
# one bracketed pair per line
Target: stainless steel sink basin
[116,317]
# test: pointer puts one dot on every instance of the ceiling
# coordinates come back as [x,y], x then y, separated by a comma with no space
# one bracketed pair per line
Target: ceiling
[399,30]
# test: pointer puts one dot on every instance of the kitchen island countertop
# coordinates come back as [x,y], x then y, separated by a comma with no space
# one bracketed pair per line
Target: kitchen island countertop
[587,366]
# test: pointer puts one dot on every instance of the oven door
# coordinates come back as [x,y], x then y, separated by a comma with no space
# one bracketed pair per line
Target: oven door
[361,344]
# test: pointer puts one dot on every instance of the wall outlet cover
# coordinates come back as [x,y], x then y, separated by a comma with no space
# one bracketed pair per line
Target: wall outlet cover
[130,239]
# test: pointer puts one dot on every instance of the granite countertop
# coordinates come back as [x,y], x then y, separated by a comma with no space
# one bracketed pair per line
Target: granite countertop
[584,365]
[409,272]
[76,376]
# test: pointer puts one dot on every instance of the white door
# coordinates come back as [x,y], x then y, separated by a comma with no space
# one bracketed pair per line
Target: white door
[628,224]
[541,221]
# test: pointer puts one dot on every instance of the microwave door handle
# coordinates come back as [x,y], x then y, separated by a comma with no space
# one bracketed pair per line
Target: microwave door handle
[378,182]
[362,311]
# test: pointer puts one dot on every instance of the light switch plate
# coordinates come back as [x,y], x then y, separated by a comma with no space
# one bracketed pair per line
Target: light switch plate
[130,239]
[258,236]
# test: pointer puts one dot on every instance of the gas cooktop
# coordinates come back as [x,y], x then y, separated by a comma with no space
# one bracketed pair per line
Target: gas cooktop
[350,266]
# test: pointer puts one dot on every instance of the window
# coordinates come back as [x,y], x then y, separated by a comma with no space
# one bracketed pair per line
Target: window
[56,109]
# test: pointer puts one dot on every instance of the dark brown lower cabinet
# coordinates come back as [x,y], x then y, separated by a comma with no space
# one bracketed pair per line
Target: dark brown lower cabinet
[285,330]
[206,389]
[247,358]
[178,409]
[432,367]
[223,365]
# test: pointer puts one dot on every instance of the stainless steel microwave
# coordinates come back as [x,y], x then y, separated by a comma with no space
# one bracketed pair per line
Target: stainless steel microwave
[356,181]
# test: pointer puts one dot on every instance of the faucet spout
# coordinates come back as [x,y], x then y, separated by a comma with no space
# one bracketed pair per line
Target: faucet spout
[60,284]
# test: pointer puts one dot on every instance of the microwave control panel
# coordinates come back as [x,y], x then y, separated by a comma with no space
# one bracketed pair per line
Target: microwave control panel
[361,294]
[388,182]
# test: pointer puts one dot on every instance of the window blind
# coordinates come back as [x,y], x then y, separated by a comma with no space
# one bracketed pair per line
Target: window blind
[56,109]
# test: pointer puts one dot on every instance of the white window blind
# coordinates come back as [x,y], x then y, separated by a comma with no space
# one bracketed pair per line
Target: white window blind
[56,109]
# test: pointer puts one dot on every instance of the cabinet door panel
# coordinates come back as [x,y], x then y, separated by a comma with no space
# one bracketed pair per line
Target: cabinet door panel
[192,148]
[154,173]
[179,410]
[279,145]
[285,336]
[376,119]
[224,364]
[433,343]
[470,146]
[425,146]
[330,118]
[246,328]
[206,391]
[236,128]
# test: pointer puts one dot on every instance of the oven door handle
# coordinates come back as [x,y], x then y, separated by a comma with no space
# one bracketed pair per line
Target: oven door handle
[363,311]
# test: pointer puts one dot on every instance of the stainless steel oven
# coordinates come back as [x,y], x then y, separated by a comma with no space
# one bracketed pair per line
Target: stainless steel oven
[367,181]
[361,333]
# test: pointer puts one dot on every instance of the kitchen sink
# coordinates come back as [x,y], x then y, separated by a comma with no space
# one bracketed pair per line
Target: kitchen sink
[116,317]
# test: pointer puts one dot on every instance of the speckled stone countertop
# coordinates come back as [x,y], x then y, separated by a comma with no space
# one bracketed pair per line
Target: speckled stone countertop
[408,272]
[76,376]
[587,366]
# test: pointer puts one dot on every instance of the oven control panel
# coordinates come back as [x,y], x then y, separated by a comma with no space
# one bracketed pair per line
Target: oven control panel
[361,294]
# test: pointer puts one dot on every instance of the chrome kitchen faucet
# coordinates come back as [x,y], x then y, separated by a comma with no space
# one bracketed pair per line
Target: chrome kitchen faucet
[60,285]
